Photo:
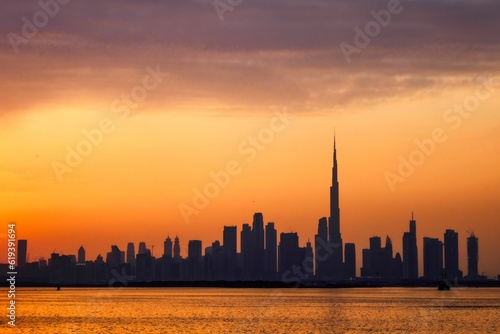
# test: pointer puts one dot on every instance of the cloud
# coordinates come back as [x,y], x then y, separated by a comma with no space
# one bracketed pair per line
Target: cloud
[264,52]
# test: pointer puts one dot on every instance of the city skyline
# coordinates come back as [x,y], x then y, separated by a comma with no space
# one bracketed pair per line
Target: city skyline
[281,259]
[261,257]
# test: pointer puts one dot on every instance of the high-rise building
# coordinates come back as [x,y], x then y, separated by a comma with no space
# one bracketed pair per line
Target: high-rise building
[378,261]
[410,252]
[246,250]
[258,256]
[131,253]
[306,258]
[81,255]
[177,248]
[258,231]
[195,261]
[271,252]
[451,255]
[375,243]
[472,257]
[433,259]
[167,248]
[246,239]
[335,237]
[350,260]
[114,258]
[194,249]
[22,251]
[321,255]
[229,241]
[397,267]
[142,248]
[230,244]
[288,253]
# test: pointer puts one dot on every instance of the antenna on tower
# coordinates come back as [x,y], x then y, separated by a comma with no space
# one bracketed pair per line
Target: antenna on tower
[152,250]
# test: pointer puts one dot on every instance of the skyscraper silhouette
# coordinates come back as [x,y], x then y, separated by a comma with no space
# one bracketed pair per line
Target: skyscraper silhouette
[451,255]
[246,250]
[167,248]
[81,255]
[131,253]
[350,260]
[177,248]
[115,257]
[229,241]
[230,250]
[22,249]
[433,258]
[258,246]
[271,252]
[410,255]
[335,237]
[321,255]
[195,260]
[472,257]
[142,248]
[288,253]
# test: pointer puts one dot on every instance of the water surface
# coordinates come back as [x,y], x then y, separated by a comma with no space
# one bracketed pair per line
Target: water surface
[219,310]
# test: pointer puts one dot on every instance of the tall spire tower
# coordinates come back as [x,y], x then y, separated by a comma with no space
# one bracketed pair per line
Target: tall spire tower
[335,237]
[334,228]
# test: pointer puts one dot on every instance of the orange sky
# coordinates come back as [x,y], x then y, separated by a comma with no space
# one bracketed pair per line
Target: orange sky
[218,95]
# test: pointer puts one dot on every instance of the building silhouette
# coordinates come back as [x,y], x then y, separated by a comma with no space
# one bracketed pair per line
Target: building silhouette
[451,255]
[246,250]
[116,257]
[321,255]
[433,259]
[328,244]
[410,252]
[288,253]
[271,252]
[81,255]
[335,238]
[229,240]
[377,260]
[195,267]
[230,246]
[472,257]
[177,248]
[350,260]
[258,246]
[167,248]
[131,254]
[22,251]
[142,248]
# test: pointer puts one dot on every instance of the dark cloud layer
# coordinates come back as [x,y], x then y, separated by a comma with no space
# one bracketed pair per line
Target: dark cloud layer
[271,51]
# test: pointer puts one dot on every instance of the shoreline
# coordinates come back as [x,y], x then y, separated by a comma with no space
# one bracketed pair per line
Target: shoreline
[265,284]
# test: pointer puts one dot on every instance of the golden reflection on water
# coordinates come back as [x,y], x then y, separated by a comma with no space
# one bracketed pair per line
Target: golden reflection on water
[217,310]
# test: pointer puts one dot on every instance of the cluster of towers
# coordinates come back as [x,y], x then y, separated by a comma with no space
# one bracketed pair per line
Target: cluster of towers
[440,259]
[262,257]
